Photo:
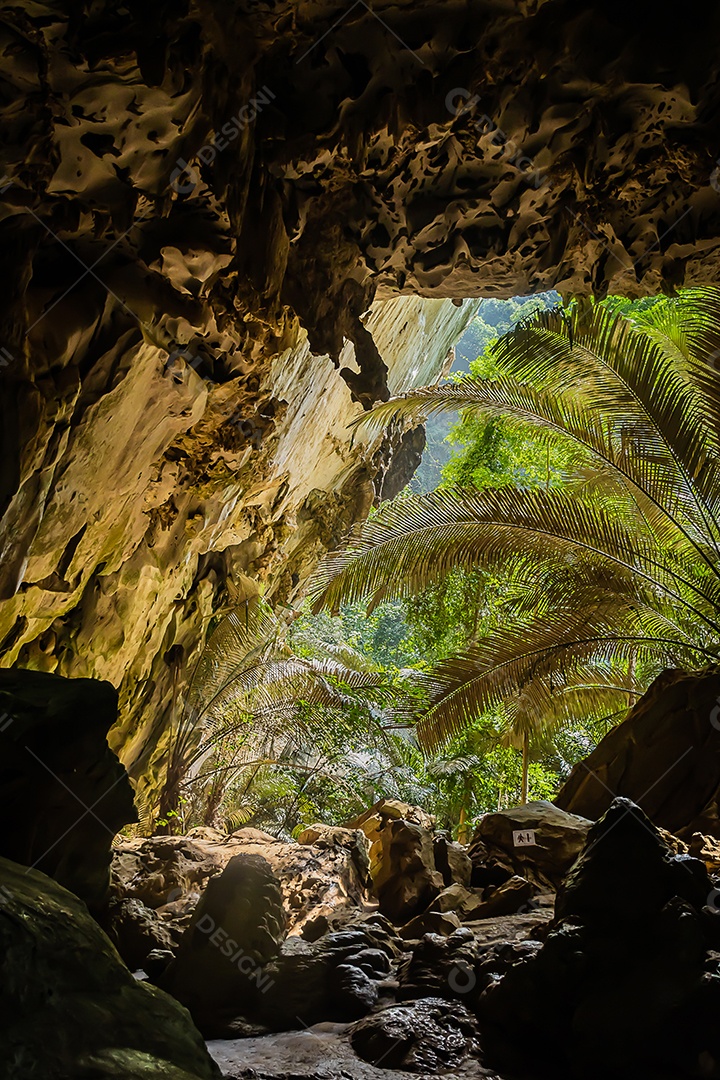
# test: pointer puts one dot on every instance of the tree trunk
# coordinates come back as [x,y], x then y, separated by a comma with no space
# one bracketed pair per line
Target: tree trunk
[463,826]
[525,768]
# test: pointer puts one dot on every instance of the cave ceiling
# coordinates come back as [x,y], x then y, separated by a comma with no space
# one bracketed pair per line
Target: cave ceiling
[202,201]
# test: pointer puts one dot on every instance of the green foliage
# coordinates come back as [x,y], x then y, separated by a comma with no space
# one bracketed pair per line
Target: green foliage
[591,441]
[569,551]
[494,318]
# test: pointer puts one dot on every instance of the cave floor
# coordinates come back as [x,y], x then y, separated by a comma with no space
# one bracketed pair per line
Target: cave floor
[321,1052]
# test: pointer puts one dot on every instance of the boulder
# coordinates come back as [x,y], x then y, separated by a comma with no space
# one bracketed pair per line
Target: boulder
[426,1036]
[663,756]
[236,929]
[627,981]
[431,922]
[337,978]
[392,808]
[506,899]
[170,873]
[706,848]
[70,1007]
[158,882]
[136,931]
[452,860]
[332,837]
[440,966]
[455,898]
[402,867]
[238,975]
[56,764]
[538,842]
[402,857]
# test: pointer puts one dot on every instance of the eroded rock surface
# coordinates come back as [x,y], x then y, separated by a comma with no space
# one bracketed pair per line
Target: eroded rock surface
[628,977]
[429,1035]
[63,792]
[663,756]
[70,1008]
[237,928]
[537,841]
[199,206]
[169,874]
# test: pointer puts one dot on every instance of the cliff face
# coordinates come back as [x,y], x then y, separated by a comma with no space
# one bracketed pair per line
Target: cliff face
[199,204]
[168,500]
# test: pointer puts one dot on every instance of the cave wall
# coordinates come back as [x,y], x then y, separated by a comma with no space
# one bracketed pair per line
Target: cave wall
[204,208]
[170,500]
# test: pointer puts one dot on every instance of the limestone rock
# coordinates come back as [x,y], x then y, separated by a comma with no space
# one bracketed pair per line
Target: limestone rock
[706,848]
[441,966]
[236,929]
[425,1036]
[452,860]
[170,873]
[663,755]
[628,975]
[61,786]
[402,867]
[442,923]
[321,1052]
[255,189]
[136,931]
[393,809]
[402,857]
[471,904]
[70,1007]
[336,978]
[455,898]
[352,840]
[556,839]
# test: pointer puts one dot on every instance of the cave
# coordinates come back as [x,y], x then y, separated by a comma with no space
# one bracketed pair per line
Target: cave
[231,231]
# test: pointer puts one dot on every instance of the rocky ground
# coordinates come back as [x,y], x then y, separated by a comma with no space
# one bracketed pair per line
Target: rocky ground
[552,947]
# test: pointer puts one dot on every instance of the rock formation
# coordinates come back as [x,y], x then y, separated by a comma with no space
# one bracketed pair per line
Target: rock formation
[420,1036]
[627,980]
[70,1008]
[320,879]
[198,208]
[236,929]
[537,841]
[663,756]
[63,792]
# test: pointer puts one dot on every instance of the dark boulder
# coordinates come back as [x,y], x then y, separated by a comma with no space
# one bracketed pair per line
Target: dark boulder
[70,1008]
[452,861]
[628,976]
[136,931]
[237,927]
[427,1036]
[537,841]
[61,786]
[663,756]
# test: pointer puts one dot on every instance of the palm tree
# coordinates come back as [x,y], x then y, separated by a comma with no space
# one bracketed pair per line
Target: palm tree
[252,704]
[615,573]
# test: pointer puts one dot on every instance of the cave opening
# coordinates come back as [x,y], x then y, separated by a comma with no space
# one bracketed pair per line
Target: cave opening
[360,536]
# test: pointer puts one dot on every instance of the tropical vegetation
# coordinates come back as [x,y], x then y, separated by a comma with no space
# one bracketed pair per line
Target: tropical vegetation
[470,643]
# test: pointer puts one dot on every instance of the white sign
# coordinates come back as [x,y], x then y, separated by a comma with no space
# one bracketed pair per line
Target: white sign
[525,838]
